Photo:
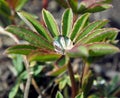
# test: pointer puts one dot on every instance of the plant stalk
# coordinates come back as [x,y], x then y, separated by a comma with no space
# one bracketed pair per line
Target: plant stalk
[36,86]
[85,70]
[72,78]
[27,86]
[87,79]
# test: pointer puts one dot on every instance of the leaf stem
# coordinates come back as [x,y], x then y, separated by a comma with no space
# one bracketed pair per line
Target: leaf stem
[36,86]
[72,78]
[85,70]
[27,86]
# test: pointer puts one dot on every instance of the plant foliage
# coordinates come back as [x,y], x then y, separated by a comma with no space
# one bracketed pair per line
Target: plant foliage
[81,40]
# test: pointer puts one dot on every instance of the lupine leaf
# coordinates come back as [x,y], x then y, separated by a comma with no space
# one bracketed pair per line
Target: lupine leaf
[14,90]
[67,20]
[50,23]
[87,83]
[62,84]
[81,8]
[107,1]
[34,25]
[4,7]
[80,95]
[20,4]
[59,95]
[80,51]
[5,13]
[79,25]
[31,37]
[98,8]
[57,71]
[105,36]
[62,3]
[93,6]
[20,49]
[92,26]
[73,4]
[101,49]
[100,35]
[17,62]
[43,55]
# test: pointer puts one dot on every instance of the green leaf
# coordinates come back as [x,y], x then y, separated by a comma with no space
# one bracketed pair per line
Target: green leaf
[87,83]
[92,26]
[5,13]
[73,4]
[21,49]
[106,34]
[78,51]
[37,70]
[18,63]
[14,91]
[4,7]
[79,25]
[62,84]
[50,23]
[23,75]
[98,8]
[30,36]
[80,95]
[57,71]
[63,3]
[101,49]
[113,87]
[67,21]
[59,95]
[43,55]
[34,25]
[81,8]
[107,1]
[20,4]
[93,6]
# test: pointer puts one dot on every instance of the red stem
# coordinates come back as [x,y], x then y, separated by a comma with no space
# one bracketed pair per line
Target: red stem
[72,78]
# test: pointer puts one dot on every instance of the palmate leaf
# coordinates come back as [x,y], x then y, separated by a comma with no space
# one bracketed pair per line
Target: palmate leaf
[34,25]
[33,38]
[21,49]
[79,25]
[67,21]
[50,23]
[43,55]
[105,34]
[92,26]
[101,49]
